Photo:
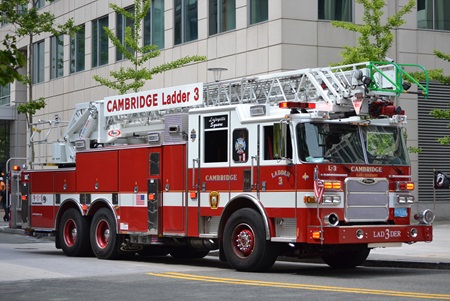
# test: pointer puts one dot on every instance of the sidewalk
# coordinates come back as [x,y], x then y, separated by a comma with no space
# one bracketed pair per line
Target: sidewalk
[433,255]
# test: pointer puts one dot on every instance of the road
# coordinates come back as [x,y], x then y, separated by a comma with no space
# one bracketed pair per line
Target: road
[32,269]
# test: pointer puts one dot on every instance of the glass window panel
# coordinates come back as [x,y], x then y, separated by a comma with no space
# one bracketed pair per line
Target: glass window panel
[77,51]
[433,14]
[185,21]
[121,23]
[191,20]
[99,42]
[442,14]
[259,11]
[340,10]
[57,57]
[5,92]
[154,25]
[222,16]
[38,62]
[425,14]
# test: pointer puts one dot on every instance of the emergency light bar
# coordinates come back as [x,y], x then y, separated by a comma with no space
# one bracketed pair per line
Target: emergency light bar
[296,105]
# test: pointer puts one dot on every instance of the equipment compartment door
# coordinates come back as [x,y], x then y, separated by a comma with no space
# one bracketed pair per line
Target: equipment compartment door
[174,187]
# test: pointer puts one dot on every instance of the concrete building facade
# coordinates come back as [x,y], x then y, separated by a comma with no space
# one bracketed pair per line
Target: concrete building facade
[248,37]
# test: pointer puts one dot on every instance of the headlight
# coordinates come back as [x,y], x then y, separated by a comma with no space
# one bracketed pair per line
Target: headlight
[331,199]
[426,217]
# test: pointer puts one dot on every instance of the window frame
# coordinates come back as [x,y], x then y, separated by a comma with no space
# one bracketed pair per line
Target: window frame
[180,34]
[219,15]
[38,75]
[5,95]
[431,18]
[78,50]
[150,30]
[122,22]
[350,11]
[98,34]
[256,17]
[56,57]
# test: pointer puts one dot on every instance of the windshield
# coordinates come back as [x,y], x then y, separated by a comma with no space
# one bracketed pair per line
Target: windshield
[346,143]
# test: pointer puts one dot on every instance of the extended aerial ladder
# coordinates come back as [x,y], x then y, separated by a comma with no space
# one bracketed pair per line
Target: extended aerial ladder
[329,91]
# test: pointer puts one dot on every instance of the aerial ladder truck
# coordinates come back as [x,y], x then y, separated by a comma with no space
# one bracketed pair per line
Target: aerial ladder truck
[304,163]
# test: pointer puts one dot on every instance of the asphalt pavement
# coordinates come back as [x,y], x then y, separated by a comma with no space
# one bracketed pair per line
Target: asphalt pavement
[429,255]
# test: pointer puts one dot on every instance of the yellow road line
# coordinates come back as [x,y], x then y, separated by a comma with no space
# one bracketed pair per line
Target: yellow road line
[302,286]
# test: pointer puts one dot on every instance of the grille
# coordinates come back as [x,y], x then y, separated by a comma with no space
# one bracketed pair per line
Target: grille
[367,199]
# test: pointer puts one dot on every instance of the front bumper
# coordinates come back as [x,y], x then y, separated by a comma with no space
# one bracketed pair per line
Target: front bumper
[363,234]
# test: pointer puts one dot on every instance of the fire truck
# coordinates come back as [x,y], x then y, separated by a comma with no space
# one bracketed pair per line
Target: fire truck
[305,163]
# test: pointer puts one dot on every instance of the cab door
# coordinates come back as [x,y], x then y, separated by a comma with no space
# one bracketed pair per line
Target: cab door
[209,164]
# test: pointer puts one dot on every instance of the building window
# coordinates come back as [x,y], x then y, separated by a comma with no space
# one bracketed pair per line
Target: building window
[5,95]
[222,16]
[77,50]
[123,22]
[154,25]
[186,21]
[40,4]
[259,11]
[433,14]
[57,57]
[99,42]
[340,10]
[38,62]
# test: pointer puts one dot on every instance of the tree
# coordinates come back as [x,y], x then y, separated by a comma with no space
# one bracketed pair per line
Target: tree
[133,78]
[11,60]
[375,38]
[438,75]
[29,22]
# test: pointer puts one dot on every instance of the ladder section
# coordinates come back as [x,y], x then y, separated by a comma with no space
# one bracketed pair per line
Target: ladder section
[332,86]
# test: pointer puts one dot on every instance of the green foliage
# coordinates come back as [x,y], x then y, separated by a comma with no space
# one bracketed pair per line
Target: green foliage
[416,150]
[375,38]
[28,22]
[31,107]
[11,59]
[133,78]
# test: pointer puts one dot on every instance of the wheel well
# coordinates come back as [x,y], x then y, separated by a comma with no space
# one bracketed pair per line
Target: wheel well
[66,205]
[239,203]
[97,205]
[71,203]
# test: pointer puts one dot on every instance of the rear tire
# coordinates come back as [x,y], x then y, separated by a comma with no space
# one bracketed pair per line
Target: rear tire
[73,234]
[346,259]
[244,242]
[104,240]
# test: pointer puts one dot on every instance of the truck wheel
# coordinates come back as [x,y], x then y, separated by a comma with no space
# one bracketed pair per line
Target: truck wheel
[73,234]
[104,240]
[346,259]
[244,242]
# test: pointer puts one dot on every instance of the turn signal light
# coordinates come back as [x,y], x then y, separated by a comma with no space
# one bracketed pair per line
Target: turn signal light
[405,186]
[334,185]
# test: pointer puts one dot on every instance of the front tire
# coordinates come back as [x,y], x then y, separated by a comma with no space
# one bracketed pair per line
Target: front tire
[73,234]
[244,242]
[104,240]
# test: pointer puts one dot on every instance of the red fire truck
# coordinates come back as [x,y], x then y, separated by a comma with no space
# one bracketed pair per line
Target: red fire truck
[305,163]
